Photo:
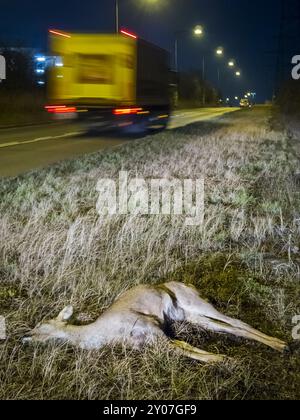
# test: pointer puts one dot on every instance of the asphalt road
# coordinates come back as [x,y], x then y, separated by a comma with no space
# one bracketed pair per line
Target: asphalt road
[27,148]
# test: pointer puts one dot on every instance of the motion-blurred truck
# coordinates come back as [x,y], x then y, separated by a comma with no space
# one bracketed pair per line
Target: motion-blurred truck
[109,81]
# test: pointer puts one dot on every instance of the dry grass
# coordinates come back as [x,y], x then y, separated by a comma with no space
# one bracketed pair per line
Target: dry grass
[55,250]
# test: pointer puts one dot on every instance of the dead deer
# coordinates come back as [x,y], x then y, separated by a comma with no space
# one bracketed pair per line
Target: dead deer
[139,318]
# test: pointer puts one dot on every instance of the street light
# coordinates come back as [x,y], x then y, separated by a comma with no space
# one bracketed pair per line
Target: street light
[197,31]
[231,63]
[220,51]
[238,73]
[117,12]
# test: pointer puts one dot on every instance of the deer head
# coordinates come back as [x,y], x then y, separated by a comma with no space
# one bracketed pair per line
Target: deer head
[51,330]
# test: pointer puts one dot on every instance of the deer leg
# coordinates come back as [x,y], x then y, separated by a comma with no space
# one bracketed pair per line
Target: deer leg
[200,312]
[235,323]
[221,324]
[194,353]
[148,332]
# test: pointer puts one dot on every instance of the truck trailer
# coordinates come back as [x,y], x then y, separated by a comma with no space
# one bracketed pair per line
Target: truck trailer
[109,81]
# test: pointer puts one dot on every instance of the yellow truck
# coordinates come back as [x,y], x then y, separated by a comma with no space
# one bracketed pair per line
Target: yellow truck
[109,80]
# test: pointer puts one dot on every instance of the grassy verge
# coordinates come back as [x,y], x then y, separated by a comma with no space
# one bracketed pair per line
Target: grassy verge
[55,250]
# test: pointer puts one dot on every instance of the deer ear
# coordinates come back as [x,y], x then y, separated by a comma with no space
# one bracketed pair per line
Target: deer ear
[65,314]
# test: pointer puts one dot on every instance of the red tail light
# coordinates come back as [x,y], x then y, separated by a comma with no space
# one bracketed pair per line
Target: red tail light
[127,111]
[60,109]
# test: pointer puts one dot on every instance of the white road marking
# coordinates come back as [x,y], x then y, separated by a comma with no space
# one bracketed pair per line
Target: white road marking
[19,143]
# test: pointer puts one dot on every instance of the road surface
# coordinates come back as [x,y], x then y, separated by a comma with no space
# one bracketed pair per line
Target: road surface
[27,148]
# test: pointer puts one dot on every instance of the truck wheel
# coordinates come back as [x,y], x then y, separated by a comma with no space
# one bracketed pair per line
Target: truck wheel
[161,126]
[136,128]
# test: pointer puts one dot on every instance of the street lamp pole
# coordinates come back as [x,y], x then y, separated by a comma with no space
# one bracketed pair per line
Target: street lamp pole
[203,78]
[176,55]
[117,15]
[198,31]
[219,54]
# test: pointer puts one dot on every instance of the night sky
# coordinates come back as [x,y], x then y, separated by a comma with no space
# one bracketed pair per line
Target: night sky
[248,30]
